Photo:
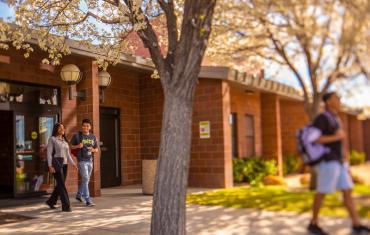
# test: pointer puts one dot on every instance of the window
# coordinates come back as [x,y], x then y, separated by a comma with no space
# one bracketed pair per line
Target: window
[250,145]
[27,94]
[234,134]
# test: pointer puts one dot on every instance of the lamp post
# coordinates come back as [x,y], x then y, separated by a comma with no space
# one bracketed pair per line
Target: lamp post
[71,75]
[104,81]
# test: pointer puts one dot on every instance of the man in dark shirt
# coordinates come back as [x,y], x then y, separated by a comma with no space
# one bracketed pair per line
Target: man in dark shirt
[87,145]
[333,170]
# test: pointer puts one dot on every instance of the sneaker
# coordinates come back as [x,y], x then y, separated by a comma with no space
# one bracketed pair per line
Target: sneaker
[90,204]
[360,229]
[315,229]
[78,199]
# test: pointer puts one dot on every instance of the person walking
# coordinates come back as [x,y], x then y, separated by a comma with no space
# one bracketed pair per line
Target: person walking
[86,144]
[333,170]
[58,155]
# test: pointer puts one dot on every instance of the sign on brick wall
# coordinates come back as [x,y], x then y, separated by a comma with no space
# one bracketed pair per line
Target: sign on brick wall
[204,130]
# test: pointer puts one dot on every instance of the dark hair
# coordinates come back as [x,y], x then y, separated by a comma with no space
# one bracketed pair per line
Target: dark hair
[86,120]
[55,130]
[327,96]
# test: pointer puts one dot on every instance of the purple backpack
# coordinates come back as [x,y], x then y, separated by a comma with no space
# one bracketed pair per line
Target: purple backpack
[311,152]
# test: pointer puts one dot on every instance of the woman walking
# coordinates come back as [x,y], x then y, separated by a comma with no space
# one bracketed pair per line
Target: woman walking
[58,155]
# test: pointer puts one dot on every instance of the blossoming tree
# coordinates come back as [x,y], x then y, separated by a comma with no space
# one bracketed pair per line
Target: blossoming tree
[104,25]
[319,41]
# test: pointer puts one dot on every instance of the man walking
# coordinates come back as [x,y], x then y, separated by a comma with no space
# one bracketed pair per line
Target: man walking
[87,145]
[333,170]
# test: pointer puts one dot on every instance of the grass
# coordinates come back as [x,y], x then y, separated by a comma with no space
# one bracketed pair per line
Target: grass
[278,198]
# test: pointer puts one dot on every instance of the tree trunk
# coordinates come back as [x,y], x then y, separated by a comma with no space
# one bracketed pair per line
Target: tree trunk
[169,208]
[313,108]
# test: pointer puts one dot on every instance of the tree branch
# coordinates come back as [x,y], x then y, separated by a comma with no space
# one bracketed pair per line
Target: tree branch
[150,40]
[112,2]
[171,20]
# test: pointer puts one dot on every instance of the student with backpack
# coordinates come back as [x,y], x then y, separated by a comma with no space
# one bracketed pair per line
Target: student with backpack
[58,154]
[84,145]
[321,146]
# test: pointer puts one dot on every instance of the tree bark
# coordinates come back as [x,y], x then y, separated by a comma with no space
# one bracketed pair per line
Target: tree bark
[169,210]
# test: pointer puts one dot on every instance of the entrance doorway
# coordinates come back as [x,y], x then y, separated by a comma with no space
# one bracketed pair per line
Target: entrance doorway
[27,116]
[6,154]
[110,164]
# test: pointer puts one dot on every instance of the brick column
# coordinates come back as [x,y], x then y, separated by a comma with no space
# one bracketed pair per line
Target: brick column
[69,119]
[271,129]
[355,134]
[366,136]
[226,110]
[89,108]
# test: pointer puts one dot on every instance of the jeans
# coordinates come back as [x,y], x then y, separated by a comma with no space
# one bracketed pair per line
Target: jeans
[85,169]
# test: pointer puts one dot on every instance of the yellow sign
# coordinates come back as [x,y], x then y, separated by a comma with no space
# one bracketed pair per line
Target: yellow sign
[204,130]
[34,135]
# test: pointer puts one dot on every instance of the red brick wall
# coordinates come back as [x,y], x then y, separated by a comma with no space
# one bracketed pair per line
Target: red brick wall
[366,138]
[293,117]
[28,70]
[123,93]
[244,104]
[355,134]
[271,128]
[210,162]
[151,108]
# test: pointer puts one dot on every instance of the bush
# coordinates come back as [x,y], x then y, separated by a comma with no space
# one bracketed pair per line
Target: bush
[252,170]
[238,168]
[357,158]
[292,164]
[273,180]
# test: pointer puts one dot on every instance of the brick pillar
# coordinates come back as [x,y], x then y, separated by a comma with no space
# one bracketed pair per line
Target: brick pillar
[89,108]
[226,110]
[69,119]
[271,129]
[355,134]
[366,136]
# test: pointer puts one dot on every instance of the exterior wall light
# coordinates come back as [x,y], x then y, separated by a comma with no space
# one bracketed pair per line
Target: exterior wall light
[71,75]
[104,81]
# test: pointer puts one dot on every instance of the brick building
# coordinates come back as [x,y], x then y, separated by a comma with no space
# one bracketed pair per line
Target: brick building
[234,116]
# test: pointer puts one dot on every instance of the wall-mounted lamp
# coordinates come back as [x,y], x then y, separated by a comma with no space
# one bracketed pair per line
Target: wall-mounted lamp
[71,75]
[104,81]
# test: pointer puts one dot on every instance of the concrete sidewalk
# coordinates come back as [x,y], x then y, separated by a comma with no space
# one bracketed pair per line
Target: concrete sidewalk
[124,210]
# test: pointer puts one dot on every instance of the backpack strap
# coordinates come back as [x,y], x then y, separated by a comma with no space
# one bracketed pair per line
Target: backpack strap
[333,122]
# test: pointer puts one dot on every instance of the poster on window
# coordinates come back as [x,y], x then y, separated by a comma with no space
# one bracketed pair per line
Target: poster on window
[204,130]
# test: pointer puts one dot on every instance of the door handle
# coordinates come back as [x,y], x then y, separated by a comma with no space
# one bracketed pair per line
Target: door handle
[103,149]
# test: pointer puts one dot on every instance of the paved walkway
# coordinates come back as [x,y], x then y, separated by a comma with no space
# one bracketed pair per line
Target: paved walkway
[124,210]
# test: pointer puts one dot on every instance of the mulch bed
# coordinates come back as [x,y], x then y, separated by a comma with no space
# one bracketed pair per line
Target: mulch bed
[6,218]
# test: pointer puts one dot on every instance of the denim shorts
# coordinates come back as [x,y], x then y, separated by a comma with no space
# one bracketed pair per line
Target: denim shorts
[332,176]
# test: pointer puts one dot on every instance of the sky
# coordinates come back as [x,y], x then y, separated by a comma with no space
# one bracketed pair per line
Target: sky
[355,93]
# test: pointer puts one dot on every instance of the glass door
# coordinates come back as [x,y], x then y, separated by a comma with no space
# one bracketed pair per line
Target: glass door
[32,133]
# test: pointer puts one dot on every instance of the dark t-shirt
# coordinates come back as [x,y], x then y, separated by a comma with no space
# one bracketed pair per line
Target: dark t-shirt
[329,127]
[87,141]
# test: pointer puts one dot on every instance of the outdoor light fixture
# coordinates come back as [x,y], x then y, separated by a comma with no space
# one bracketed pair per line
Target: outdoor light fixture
[71,75]
[104,81]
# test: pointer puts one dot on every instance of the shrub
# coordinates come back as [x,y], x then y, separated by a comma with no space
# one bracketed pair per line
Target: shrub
[238,168]
[357,158]
[252,170]
[292,164]
[273,180]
